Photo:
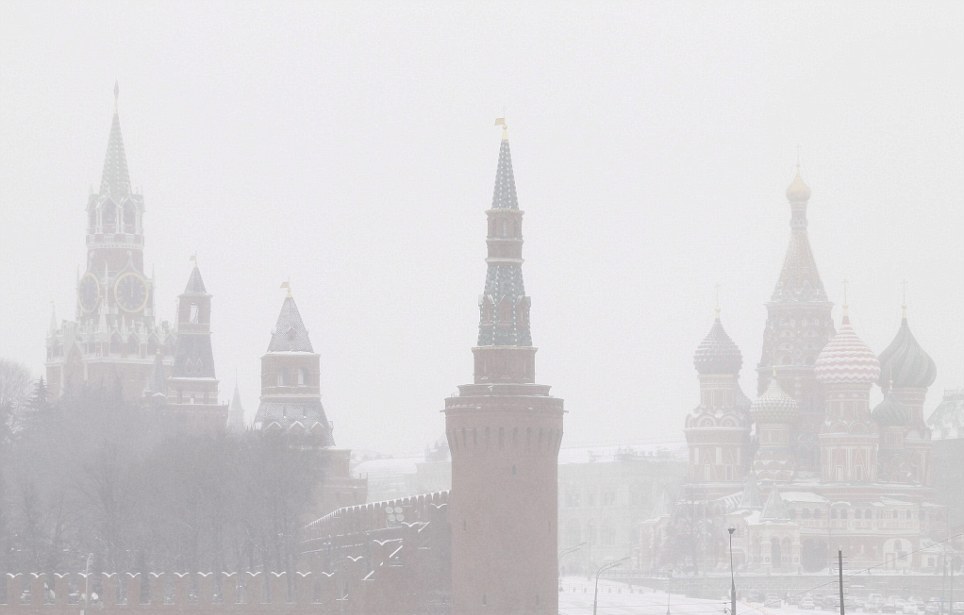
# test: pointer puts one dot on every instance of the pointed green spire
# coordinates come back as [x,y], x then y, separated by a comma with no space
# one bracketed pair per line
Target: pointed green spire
[504,196]
[115,180]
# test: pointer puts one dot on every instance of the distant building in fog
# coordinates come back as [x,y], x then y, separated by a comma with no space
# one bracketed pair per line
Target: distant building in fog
[604,495]
[947,426]
[807,466]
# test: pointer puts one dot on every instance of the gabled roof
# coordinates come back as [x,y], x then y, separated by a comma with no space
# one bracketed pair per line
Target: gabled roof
[290,334]
[775,509]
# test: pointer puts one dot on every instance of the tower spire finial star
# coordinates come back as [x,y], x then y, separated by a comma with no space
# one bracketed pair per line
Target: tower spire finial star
[287,286]
[116,94]
[500,121]
[716,302]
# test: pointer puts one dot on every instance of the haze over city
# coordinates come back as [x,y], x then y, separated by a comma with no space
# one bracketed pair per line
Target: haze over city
[351,150]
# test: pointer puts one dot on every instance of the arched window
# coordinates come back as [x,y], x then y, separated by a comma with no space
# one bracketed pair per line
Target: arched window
[108,217]
[129,218]
[302,376]
[281,377]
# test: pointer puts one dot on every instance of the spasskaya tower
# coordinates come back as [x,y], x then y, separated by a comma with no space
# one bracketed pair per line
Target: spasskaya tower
[114,340]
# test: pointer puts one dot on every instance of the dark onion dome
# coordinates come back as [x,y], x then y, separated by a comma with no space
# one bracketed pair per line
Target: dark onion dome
[891,412]
[904,364]
[798,191]
[846,359]
[774,405]
[717,354]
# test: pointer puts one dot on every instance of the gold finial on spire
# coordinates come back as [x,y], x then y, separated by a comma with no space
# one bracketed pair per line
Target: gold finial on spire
[716,306]
[903,301]
[846,304]
[116,94]
[287,286]
[193,258]
[500,121]
[798,157]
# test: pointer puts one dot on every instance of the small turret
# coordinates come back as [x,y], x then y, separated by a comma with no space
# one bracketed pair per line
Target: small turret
[717,353]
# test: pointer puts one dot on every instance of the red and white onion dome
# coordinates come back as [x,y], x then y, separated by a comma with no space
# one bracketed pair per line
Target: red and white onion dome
[774,406]
[846,359]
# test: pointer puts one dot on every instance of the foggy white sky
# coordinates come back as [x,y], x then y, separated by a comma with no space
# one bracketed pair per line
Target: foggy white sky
[352,149]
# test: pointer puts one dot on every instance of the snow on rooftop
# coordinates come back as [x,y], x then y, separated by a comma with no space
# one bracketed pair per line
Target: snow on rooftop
[803,496]
[665,449]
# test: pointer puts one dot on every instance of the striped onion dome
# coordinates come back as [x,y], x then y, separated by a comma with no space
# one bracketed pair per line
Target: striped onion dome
[846,359]
[774,405]
[905,364]
[717,353]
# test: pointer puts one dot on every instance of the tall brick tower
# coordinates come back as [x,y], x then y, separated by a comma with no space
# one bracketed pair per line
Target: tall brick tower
[504,433]
[798,326]
[291,405]
[193,386]
[114,340]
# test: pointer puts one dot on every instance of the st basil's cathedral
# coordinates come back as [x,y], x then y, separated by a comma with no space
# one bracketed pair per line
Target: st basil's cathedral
[807,467]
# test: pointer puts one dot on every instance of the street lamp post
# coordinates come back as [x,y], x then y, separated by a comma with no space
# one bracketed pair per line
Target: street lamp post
[567,551]
[669,594]
[90,556]
[602,569]
[732,577]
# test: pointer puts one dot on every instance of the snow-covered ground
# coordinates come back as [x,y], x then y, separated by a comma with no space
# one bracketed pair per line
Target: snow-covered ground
[617,598]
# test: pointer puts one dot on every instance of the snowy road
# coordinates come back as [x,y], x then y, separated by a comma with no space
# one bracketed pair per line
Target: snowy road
[618,599]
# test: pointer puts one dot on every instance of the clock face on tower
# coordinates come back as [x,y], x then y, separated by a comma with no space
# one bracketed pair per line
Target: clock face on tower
[88,293]
[130,292]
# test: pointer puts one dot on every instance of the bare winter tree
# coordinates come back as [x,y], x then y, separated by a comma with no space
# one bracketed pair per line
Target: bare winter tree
[92,474]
